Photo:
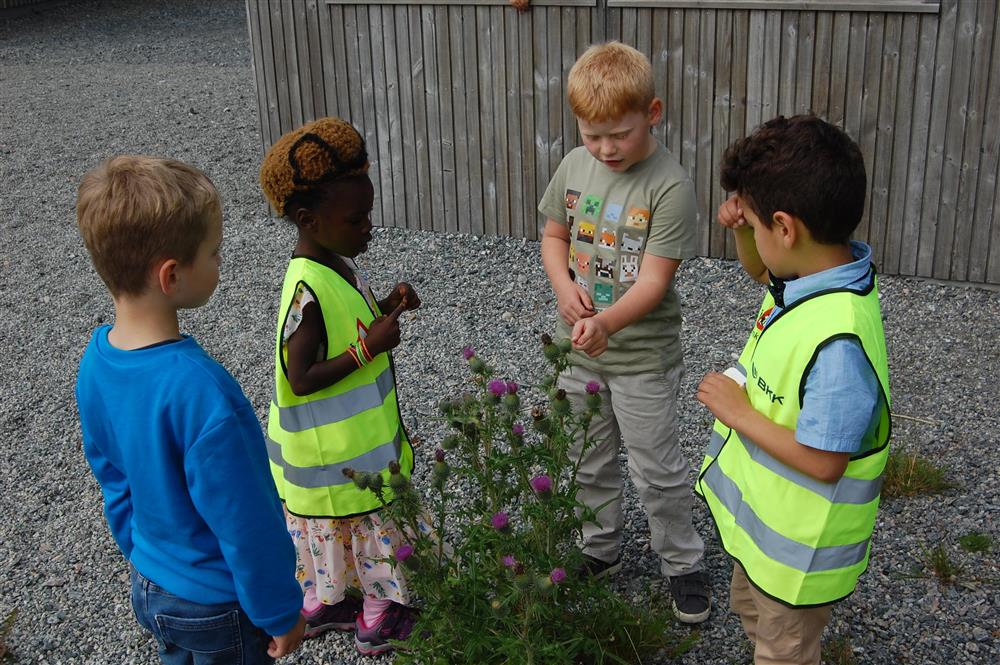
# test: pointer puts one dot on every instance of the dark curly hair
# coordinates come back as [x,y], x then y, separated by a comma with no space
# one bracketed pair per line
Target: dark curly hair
[803,166]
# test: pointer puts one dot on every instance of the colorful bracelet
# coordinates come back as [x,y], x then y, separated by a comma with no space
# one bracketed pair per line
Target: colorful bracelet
[368,354]
[351,348]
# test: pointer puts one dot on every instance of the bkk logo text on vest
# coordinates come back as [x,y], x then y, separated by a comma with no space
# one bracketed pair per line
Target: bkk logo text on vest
[762,384]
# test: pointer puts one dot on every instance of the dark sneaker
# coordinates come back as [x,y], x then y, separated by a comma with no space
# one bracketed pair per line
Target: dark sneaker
[396,624]
[597,569]
[332,617]
[692,603]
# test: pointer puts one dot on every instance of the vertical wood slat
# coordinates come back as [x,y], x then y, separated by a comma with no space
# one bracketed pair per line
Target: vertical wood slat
[463,178]
[936,139]
[738,118]
[880,171]
[429,23]
[868,124]
[393,117]
[409,126]
[721,114]
[447,122]
[978,33]
[902,127]
[984,254]
[704,132]
[459,145]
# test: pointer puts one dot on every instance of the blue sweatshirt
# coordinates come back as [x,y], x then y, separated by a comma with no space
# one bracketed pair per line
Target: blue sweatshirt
[179,455]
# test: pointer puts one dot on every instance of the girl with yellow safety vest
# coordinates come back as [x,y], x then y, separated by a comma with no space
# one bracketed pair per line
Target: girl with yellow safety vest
[335,405]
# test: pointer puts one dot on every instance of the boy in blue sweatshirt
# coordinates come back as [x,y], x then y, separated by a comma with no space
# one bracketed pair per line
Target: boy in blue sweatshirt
[169,434]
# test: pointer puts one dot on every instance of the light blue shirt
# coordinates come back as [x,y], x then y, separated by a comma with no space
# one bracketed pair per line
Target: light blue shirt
[843,400]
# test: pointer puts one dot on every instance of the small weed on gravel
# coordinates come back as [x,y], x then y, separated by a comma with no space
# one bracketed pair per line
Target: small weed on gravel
[910,474]
[838,651]
[6,655]
[941,565]
[976,542]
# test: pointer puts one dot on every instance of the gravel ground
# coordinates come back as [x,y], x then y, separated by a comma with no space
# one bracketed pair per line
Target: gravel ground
[84,81]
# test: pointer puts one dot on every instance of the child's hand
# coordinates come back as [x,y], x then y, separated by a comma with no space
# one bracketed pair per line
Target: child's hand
[731,214]
[282,645]
[590,336]
[725,398]
[574,304]
[383,333]
[403,292]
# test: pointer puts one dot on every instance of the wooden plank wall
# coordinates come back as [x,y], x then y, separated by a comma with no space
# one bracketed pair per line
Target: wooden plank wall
[462,105]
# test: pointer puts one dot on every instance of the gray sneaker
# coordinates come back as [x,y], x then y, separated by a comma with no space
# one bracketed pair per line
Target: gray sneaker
[396,624]
[692,601]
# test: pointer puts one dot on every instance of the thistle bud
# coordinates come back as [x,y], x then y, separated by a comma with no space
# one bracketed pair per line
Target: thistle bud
[540,421]
[565,346]
[450,442]
[477,365]
[593,402]
[398,482]
[439,455]
[375,482]
[511,402]
[394,467]
[560,405]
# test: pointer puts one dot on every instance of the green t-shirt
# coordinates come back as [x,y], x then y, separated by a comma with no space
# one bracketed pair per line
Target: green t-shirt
[613,219]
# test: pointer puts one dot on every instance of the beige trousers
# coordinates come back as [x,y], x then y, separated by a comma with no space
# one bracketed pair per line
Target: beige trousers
[781,635]
[640,409]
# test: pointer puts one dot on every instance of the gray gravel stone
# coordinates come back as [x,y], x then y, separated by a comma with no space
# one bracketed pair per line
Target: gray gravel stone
[87,80]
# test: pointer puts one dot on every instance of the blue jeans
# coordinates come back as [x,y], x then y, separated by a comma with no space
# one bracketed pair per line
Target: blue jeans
[189,633]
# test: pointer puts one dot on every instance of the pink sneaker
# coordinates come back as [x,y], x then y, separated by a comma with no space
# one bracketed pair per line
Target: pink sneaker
[332,617]
[396,624]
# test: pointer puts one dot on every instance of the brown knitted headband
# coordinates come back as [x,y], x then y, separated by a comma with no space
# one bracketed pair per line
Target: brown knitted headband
[319,152]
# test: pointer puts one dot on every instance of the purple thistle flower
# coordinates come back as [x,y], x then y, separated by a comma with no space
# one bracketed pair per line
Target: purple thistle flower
[557,575]
[517,429]
[541,484]
[512,387]
[468,352]
[497,387]
[500,521]
[404,552]
[592,387]
[509,561]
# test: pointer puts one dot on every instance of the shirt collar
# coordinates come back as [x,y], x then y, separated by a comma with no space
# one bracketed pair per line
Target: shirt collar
[854,275]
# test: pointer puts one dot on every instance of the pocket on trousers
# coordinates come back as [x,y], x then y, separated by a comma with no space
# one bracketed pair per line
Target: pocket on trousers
[217,636]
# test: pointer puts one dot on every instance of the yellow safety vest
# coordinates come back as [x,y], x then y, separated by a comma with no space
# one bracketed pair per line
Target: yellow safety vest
[353,424]
[801,541]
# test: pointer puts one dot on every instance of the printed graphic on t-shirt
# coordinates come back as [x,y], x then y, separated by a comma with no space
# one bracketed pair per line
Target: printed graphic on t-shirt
[613,212]
[605,267]
[572,196]
[629,268]
[608,237]
[637,218]
[606,245]
[591,205]
[603,294]
[632,243]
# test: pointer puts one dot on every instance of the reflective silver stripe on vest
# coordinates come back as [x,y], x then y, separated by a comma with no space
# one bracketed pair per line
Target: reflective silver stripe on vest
[715,444]
[333,409]
[743,370]
[310,477]
[846,490]
[774,545]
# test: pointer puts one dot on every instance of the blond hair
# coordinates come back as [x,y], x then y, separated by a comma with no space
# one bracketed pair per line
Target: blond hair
[608,81]
[134,210]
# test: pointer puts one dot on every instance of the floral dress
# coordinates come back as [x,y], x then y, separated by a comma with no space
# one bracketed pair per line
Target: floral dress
[334,554]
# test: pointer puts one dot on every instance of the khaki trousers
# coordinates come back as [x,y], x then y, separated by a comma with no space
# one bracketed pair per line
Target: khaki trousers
[640,409]
[781,635]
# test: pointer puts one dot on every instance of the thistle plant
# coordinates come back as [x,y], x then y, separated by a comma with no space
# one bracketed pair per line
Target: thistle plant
[499,580]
